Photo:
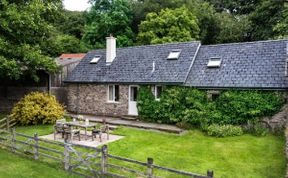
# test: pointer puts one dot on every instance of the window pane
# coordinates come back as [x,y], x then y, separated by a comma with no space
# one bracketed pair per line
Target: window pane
[117,93]
[158,91]
[110,93]
[133,93]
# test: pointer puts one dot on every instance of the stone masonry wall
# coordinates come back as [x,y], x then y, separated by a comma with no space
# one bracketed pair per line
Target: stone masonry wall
[92,99]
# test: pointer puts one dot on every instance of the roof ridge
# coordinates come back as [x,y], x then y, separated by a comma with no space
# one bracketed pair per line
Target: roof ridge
[151,45]
[247,42]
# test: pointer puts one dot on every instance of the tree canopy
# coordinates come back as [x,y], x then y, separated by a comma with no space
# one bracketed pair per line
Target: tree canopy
[34,31]
[23,28]
[169,26]
[109,17]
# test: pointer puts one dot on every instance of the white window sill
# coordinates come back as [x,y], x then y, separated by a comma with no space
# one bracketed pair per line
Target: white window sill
[113,102]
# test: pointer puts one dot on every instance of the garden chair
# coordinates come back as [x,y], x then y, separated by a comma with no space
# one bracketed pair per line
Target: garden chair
[59,128]
[68,132]
[100,131]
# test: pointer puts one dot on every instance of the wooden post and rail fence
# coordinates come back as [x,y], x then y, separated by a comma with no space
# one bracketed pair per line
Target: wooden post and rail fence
[84,160]
[6,123]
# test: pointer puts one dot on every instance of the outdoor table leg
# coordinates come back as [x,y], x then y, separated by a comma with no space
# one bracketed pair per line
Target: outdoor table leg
[71,134]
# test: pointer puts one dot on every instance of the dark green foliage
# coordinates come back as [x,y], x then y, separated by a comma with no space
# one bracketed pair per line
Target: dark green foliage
[224,130]
[24,25]
[239,7]
[146,103]
[207,21]
[108,17]
[237,107]
[170,25]
[266,15]
[188,105]
[71,23]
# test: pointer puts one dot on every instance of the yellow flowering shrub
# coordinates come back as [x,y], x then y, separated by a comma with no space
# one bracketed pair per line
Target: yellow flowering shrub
[37,108]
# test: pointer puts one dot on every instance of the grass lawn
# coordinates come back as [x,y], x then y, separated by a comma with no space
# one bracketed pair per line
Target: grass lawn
[243,156]
[237,157]
[13,166]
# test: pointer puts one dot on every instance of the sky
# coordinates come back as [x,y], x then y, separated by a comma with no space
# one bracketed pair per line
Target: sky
[76,5]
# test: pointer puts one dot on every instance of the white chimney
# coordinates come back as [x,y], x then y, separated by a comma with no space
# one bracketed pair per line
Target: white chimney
[110,49]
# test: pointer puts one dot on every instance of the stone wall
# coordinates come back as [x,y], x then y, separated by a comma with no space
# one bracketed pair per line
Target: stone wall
[92,99]
[278,120]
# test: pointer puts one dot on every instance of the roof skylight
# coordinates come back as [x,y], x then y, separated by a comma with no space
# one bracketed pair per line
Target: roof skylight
[214,62]
[95,59]
[174,54]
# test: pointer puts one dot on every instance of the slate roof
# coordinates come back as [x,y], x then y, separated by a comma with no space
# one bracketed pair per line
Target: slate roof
[260,64]
[135,65]
[243,65]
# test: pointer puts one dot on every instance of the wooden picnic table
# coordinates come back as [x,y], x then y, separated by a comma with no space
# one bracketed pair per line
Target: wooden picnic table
[82,125]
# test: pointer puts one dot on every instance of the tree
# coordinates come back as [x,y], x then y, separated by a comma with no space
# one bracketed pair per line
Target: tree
[23,26]
[281,28]
[237,7]
[264,18]
[232,28]
[71,23]
[207,21]
[62,43]
[169,26]
[109,17]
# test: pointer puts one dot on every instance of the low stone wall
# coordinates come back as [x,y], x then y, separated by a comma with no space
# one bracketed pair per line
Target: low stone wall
[277,121]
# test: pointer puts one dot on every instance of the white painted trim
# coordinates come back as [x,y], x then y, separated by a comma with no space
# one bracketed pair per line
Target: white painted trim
[129,95]
[113,94]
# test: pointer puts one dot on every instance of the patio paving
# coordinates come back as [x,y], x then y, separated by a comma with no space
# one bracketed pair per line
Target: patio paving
[132,123]
[84,142]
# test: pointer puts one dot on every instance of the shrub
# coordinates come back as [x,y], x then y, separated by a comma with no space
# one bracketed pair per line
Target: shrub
[224,130]
[189,105]
[37,108]
[238,107]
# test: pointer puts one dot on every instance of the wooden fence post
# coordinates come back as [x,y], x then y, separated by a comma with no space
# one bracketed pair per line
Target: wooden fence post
[150,167]
[104,160]
[210,173]
[13,143]
[66,157]
[36,148]
[7,123]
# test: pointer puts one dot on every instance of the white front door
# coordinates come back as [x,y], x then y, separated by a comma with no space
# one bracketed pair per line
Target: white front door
[133,91]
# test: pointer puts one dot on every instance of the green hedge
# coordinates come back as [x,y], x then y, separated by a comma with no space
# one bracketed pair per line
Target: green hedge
[190,105]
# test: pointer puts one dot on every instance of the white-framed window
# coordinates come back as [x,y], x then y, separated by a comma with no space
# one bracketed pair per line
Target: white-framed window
[214,62]
[113,93]
[158,91]
[95,59]
[174,54]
